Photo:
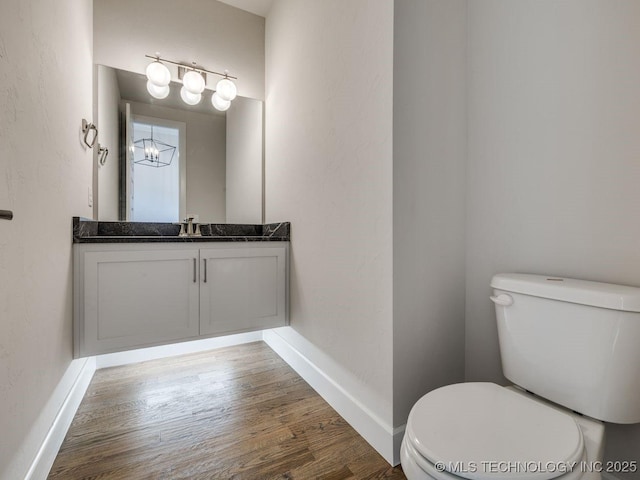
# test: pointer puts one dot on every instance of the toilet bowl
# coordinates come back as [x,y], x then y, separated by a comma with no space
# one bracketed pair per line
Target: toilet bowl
[573,343]
[484,431]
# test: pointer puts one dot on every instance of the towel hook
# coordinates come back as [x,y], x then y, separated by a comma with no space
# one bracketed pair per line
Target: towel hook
[87,128]
[103,153]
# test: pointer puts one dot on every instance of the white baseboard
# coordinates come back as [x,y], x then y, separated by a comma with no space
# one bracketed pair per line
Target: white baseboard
[380,435]
[164,351]
[39,450]
[398,435]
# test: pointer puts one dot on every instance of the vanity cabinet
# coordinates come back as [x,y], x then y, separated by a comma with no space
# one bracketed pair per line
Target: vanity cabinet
[242,289]
[138,295]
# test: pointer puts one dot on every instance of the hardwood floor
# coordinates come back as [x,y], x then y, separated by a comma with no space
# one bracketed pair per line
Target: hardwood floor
[238,412]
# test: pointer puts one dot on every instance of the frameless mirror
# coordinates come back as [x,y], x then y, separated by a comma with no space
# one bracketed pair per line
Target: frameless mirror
[167,159]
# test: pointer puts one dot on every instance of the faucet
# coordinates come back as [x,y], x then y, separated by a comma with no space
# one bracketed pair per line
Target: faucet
[188,222]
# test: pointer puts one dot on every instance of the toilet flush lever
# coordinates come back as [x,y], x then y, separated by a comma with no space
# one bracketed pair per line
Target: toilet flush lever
[502,299]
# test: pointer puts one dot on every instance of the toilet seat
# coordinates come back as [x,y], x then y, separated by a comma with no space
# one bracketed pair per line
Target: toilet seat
[416,467]
[483,431]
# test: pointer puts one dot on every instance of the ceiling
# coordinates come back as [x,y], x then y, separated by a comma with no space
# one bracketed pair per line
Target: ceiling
[259,7]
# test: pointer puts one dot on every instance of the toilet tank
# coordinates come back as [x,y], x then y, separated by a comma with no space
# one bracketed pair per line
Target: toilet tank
[574,342]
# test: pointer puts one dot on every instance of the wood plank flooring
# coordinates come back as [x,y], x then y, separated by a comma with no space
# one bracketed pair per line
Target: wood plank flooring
[232,413]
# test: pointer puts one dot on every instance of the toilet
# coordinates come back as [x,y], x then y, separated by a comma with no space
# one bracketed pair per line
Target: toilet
[571,349]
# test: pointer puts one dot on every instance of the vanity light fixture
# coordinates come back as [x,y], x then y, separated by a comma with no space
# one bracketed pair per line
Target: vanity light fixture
[188,97]
[226,89]
[219,103]
[156,91]
[152,153]
[194,81]
[158,73]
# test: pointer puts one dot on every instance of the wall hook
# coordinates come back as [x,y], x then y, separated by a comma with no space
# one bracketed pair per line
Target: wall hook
[103,153]
[87,128]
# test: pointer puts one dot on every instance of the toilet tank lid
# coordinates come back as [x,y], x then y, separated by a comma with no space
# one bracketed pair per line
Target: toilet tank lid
[603,295]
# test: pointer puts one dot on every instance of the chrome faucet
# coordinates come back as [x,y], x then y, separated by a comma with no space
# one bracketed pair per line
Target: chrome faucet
[190,229]
[189,221]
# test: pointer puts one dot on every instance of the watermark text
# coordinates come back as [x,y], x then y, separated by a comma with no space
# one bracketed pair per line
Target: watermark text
[500,466]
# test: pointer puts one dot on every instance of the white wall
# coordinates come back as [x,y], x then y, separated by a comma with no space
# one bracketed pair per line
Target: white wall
[44,178]
[244,161]
[328,170]
[205,152]
[429,158]
[108,98]
[554,157]
[215,35]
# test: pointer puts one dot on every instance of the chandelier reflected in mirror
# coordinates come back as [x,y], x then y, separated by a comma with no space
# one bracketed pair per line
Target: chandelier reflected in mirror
[153,153]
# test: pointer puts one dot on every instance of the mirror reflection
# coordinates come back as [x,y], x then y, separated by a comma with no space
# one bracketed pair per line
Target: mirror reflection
[157,171]
[168,160]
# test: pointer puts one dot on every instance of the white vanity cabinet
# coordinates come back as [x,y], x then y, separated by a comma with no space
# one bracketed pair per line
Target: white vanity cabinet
[132,295]
[242,289]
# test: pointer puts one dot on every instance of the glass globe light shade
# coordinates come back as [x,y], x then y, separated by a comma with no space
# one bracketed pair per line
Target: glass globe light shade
[158,74]
[218,103]
[190,98]
[193,82]
[226,89]
[156,91]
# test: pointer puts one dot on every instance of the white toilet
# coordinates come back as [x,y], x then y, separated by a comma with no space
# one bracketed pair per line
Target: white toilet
[571,342]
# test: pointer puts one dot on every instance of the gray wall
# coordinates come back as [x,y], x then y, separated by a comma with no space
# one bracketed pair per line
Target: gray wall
[215,35]
[45,173]
[554,157]
[429,158]
[328,170]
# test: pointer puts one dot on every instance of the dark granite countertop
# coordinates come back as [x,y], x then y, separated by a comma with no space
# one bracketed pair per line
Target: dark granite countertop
[92,231]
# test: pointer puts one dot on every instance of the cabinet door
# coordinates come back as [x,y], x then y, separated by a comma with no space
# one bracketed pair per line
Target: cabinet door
[242,289]
[138,298]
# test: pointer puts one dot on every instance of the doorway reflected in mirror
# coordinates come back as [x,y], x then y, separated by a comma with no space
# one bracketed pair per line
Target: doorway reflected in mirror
[154,193]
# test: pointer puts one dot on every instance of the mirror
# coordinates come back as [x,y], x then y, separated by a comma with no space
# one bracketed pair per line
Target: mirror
[209,163]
